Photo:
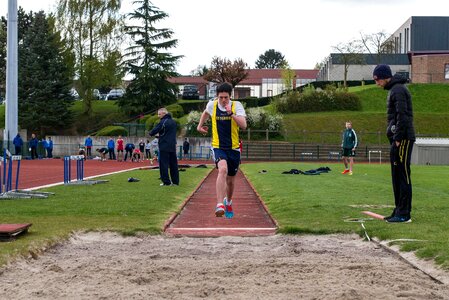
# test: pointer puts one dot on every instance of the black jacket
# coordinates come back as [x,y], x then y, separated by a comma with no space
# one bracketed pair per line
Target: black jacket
[399,110]
[167,133]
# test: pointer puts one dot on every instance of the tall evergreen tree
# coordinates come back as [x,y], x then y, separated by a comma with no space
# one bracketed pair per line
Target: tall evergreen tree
[23,23]
[45,79]
[271,59]
[149,61]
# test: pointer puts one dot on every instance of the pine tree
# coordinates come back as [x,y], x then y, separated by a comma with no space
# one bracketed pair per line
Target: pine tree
[149,62]
[44,79]
[271,59]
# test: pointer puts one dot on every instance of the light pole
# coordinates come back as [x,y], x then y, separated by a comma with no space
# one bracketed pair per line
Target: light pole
[11,111]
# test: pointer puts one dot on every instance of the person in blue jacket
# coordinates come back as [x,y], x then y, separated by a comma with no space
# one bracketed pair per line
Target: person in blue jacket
[32,143]
[48,144]
[88,143]
[166,129]
[129,148]
[111,149]
[18,143]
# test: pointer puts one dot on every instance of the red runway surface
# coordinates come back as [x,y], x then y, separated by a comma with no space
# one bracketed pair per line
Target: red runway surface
[197,218]
[36,173]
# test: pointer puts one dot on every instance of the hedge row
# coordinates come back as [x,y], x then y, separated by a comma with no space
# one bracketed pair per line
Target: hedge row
[317,101]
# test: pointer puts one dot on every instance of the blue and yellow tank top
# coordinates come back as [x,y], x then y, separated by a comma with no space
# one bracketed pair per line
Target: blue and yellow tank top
[225,131]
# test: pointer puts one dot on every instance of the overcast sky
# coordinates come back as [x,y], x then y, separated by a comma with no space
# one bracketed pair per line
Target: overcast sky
[302,30]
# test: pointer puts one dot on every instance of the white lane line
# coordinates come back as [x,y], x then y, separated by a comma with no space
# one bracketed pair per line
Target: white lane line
[223,228]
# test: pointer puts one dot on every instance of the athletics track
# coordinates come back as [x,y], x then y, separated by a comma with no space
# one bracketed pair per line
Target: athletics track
[197,216]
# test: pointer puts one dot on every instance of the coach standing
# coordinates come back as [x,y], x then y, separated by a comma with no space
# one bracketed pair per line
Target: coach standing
[401,134]
[166,129]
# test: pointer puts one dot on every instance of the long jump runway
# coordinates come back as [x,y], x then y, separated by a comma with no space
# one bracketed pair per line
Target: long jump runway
[197,218]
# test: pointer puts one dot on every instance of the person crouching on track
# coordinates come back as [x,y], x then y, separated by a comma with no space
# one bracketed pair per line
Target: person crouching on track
[137,156]
[82,152]
[103,152]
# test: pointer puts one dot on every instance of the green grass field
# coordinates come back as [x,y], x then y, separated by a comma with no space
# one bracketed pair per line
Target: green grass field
[321,204]
[301,205]
[117,205]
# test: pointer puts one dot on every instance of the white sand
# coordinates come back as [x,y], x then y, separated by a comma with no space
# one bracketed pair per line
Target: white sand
[108,266]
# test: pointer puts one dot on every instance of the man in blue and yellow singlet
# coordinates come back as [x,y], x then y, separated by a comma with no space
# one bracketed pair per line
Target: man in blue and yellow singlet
[227,118]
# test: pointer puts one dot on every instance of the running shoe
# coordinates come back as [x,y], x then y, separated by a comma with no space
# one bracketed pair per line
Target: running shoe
[399,219]
[345,171]
[229,213]
[219,210]
[350,173]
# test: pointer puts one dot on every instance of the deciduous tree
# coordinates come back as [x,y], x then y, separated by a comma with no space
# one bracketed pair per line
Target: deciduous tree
[377,44]
[201,70]
[351,54]
[223,70]
[92,29]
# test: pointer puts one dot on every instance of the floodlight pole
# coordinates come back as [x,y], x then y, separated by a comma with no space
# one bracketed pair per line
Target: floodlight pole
[11,111]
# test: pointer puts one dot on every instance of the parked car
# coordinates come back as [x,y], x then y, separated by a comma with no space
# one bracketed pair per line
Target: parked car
[114,94]
[74,94]
[190,92]
[96,94]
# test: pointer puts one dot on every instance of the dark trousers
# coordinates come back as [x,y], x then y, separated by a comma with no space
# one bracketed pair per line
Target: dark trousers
[33,152]
[168,160]
[18,150]
[88,151]
[128,152]
[400,175]
[49,152]
[111,153]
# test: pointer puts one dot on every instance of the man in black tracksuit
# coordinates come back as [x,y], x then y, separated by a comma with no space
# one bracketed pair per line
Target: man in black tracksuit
[401,134]
[167,147]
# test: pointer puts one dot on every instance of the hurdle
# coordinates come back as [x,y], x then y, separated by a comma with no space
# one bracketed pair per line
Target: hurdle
[7,161]
[6,179]
[79,159]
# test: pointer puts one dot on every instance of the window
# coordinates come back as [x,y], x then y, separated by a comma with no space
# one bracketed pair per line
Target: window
[446,71]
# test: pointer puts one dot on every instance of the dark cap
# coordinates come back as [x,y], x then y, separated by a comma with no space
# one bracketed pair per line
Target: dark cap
[382,72]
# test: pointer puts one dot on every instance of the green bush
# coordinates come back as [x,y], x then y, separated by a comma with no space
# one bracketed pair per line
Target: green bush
[315,101]
[143,120]
[151,122]
[193,105]
[176,110]
[112,131]
[249,101]
[192,122]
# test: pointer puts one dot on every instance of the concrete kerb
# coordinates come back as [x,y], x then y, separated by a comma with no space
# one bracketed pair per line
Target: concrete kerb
[437,275]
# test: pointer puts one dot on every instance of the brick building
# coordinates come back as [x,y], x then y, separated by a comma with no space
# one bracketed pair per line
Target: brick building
[430,67]
[259,83]
[420,51]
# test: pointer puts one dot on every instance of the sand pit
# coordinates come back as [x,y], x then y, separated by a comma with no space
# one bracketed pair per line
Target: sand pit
[108,266]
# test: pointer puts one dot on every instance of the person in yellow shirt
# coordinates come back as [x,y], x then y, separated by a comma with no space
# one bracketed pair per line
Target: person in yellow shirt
[227,118]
